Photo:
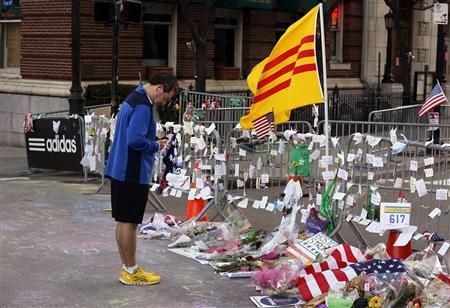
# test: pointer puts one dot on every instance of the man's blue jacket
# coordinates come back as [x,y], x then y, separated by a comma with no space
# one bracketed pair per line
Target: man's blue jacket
[133,149]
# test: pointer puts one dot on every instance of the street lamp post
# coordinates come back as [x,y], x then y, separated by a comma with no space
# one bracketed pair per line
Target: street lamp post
[76,98]
[389,22]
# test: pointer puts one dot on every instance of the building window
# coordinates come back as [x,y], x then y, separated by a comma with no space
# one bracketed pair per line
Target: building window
[224,54]
[156,39]
[335,34]
[10,38]
[228,38]
[159,35]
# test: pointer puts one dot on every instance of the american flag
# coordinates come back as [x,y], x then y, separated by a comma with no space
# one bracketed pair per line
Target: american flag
[436,98]
[263,125]
[317,281]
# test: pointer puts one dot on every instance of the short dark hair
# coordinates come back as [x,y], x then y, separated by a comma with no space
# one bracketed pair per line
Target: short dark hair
[167,80]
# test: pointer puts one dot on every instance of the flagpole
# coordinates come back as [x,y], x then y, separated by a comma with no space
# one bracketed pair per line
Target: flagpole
[324,76]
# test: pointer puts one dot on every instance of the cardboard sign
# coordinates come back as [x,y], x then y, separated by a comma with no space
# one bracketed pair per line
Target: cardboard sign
[395,214]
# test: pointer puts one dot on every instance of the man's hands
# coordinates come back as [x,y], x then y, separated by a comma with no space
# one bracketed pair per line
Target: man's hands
[162,143]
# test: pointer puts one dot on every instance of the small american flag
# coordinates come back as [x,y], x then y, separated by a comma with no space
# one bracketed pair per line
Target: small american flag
[436,98]
[263,125]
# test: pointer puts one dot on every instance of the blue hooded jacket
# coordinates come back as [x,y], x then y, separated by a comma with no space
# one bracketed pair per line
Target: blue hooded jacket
[133,149]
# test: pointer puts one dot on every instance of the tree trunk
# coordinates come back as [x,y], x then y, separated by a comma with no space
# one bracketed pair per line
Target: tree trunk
[200,63]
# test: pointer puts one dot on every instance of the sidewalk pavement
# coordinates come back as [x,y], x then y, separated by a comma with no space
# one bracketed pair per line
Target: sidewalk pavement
[58,250]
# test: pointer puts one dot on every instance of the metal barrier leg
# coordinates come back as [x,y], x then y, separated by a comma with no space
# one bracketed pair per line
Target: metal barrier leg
[156,203]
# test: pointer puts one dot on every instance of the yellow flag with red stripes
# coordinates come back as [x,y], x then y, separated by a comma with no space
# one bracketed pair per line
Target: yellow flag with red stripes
[288,77]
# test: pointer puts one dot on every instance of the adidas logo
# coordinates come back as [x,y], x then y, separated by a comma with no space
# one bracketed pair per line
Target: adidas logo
[56,145]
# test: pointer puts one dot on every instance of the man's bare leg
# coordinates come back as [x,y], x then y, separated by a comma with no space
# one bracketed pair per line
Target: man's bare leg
[117,240]
[126,241]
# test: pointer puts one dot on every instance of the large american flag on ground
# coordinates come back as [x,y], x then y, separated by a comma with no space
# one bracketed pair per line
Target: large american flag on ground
[263,125]
[344,264]
[436,98]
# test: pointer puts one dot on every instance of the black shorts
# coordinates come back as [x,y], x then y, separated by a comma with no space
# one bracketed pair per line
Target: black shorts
[128,201]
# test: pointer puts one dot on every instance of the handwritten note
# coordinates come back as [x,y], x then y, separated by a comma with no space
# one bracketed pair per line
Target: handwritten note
[441,194]
[413,165]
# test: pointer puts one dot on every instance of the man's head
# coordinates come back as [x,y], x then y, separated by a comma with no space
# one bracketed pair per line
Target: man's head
[162,88]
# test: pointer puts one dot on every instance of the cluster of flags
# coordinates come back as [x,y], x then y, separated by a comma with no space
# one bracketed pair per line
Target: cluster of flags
[287,79]
[341,266]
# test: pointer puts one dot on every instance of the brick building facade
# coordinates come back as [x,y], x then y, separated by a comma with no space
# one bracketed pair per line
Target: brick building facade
[46,37]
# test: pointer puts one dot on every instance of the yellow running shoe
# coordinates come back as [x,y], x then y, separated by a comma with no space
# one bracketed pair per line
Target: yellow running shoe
[139,278]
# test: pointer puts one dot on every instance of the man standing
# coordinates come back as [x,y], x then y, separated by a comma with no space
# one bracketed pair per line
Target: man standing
[130,165]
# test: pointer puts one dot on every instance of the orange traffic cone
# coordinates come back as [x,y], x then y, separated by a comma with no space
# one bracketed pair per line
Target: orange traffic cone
[194,207]
[397,252]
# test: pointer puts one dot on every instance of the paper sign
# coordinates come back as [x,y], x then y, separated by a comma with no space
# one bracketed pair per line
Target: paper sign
[435,212]
[256,204]
[441,194]
[263,202]
[429,172]
[351,157]
[398,183]
[413,165]
[339,196]
[220,157]
[273,152]
[328,175]
[377,162]
[373,141]
[349,200]
[342,174]
[264,178]
[395,214]
[318,199]
[405,236]
[179,192]
[243,203]
[154,187]
[166,192]
[220,170]
[418,236]
[191,195]
[173,192]
[356,218]
[270,207]
[443,249]
[251,171]
[369,158]
[328,160]
[363,214]
[305,215]
[210,129]
[199,183]
[421,188]
[236,170]
[375,198]
[242,152]
[349,217]
[412,184]
[428,161]
[239,183]
[365,222]
[370,175]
